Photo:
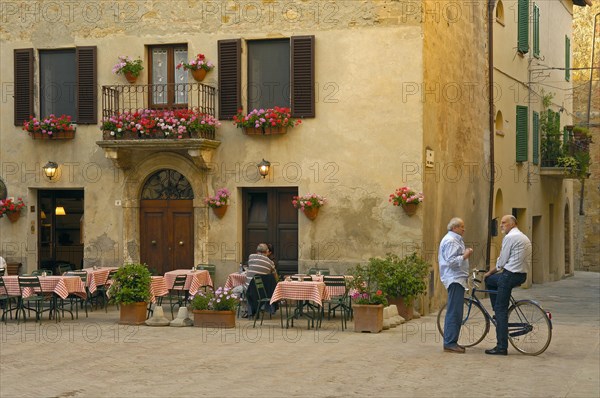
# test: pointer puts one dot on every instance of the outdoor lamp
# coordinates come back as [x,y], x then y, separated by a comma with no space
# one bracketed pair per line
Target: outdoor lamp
[263,168]
[60,211]
[50,169]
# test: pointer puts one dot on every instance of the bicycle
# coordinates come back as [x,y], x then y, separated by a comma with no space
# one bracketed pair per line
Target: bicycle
[529,326]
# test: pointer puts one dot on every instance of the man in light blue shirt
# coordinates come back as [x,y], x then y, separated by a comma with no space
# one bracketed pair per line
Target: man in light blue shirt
[514,260]
[454,270]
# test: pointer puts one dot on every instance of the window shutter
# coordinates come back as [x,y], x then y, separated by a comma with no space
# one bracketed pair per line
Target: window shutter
[23,107]
[567,58]
[536,138]
[521,133]
[523,27]
[87,94]
[302,76]
[230,78]
[536,31]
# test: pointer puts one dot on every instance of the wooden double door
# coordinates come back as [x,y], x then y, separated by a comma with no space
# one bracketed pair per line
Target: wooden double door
[167,234]
[269,217]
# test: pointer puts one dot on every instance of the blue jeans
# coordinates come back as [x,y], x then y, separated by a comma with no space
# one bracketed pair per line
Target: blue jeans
[502,282]
[454,314]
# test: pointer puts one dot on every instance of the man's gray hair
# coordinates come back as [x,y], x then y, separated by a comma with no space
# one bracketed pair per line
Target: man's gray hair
[455,222]
[262,248]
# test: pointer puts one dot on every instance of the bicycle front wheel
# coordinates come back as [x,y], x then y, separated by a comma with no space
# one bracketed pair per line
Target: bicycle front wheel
[475,325]
[529,329]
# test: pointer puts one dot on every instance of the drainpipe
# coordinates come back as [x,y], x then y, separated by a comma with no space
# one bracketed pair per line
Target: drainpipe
[491,126]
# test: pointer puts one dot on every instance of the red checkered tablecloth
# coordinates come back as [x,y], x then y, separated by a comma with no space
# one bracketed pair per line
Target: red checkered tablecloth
[313,291]
[194,281]
[158,287]
[234,280]
[61,285]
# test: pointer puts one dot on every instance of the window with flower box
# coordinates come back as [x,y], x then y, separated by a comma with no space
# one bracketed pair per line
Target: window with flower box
[278,70]
[67,84]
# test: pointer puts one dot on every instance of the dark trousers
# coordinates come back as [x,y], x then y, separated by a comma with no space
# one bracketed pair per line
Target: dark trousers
[454,314]
[502,282]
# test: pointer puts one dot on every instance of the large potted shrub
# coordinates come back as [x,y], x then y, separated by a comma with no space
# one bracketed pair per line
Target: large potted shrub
[367,297]
[215,309]
[404,279]
[131,290]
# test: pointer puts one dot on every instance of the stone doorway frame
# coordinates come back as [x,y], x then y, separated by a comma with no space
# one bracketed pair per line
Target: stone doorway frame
[135,178]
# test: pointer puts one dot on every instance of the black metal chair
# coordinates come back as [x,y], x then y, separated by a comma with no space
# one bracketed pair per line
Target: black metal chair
[40,272]
[78,299]
[315,271]
[340,302]
[101,291]
[211,268]
[6,300]
[39,297]
[177,293]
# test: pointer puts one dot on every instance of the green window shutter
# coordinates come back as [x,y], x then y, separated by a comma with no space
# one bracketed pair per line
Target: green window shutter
[536,31]
[522,113]
[536,138]
[567,58]
[557,122]
[523,27]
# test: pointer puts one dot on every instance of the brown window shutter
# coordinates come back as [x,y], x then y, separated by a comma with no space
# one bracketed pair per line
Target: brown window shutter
[302,77]
[23,59]
[230,77]
[87,91]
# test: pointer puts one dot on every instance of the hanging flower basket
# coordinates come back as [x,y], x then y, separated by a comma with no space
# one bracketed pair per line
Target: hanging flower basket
[410,208]
[13,217]
[220,211]
[311,213]
[198,74]
[131,78]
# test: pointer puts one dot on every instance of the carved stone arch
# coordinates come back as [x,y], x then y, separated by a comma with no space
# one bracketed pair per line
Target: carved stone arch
[135,179]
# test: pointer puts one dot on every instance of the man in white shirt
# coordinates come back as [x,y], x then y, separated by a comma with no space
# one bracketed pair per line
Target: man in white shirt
[514,260]
[453,259]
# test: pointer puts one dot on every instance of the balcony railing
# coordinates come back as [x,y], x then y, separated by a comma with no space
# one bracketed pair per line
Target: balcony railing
[118,99]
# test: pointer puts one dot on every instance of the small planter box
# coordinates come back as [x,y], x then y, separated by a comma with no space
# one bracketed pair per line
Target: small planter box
[264,131]
[368,318]
[214,319]
[132,314]
[61,135]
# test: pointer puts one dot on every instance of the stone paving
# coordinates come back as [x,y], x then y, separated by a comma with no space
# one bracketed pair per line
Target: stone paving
[95,357]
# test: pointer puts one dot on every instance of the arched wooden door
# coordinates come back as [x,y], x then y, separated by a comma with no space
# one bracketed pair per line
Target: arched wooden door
[167,222]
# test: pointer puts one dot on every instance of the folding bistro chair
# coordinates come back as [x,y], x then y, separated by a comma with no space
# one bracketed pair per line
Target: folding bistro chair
[177,293]
[340,302]
[6,300]
[39,297]
[263,300]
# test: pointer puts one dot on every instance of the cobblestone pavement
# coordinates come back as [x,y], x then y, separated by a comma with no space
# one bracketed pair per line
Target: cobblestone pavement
[95,357]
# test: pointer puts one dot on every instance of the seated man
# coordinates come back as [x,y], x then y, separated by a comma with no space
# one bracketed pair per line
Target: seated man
[258,264]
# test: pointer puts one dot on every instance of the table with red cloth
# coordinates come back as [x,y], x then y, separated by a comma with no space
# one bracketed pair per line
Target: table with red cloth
[97,277]
[60,285]
[194,279]
[304,292]
[235,279]
[158,287]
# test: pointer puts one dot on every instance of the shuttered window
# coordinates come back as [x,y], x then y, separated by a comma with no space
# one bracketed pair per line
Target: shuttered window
[536,138]
[303,76]
[522,133]
[87,83]
[536,31]
[567,58]
[23,61]
[268,73]
[230,78]
[299,89]
[523,27]
[68,84]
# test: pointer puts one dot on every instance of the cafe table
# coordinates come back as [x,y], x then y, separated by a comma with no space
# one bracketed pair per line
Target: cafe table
[304,292]
[97,277]
[235,279]
[194,281]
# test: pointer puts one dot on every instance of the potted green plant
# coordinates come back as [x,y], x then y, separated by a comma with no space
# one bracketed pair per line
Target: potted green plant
[367,297]
[404,279]
[309,204]
[214,308]
[130,68]
[131,290]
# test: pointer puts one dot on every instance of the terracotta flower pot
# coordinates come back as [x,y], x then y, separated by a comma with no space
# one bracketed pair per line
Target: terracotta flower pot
[214,319]
[132,314]
[220,211]
[368,318]
[311,213]
[131,78]
[13,217]
[405,308]
[59,135]
[198,74]
[410,208]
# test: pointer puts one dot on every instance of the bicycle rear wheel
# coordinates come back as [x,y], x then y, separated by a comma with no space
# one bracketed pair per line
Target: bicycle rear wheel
[529,329]
[475,325]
